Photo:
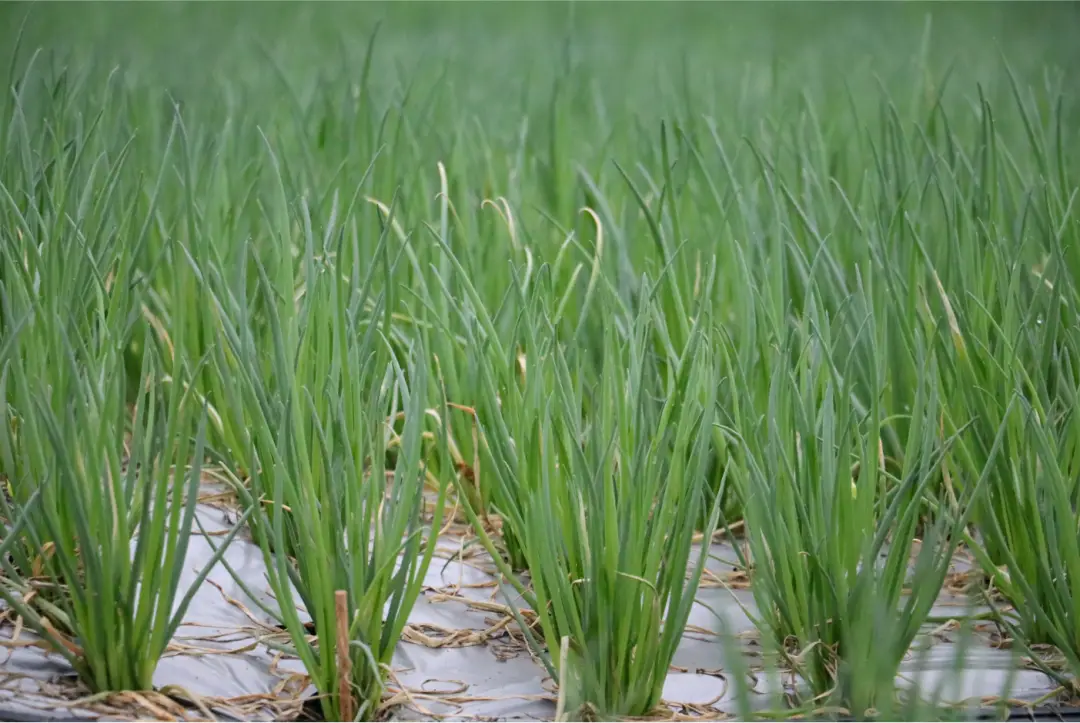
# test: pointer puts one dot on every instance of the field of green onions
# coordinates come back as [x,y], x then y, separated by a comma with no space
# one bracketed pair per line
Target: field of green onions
[655,317]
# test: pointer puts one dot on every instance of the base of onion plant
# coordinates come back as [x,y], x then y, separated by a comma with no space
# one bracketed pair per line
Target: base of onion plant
[114,606]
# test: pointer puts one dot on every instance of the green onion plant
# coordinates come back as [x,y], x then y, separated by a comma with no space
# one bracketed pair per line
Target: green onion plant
[337,427]
[833,524]
[112,453]
[607,475]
